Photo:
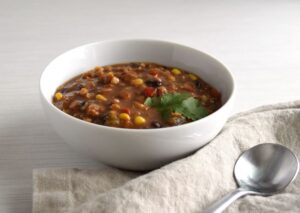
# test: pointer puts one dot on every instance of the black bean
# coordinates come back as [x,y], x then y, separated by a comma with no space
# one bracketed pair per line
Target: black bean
[78,87]
[100,120]
[134,65]
[83,105]
[156,124]
[153,83]
[63,90]
[198,84]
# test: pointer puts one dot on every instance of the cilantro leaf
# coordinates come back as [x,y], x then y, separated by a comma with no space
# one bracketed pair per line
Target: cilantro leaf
[173,98]
[192,109]
[148,101]
[182,103]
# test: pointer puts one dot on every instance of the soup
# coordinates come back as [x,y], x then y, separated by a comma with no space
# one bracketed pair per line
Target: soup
[137,95]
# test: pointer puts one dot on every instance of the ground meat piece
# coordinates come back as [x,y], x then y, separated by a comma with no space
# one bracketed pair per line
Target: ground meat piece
[125,94]
[176,119]
[94,109]
[74,104]
[161,90]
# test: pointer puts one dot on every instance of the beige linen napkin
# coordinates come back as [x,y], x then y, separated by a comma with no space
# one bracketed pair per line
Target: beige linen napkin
[187,185]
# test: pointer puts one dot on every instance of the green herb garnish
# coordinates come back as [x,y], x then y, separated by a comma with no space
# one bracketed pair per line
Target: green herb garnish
[182,103]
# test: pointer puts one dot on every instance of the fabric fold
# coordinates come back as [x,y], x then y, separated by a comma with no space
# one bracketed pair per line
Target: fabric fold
[187,185]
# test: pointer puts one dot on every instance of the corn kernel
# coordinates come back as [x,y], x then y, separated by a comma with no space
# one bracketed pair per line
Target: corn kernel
[112,114]
[176,71]
[90,95]
[116,101]
[87,119]
[193,77]
[171,78]
[139,105]
[101,97]
[58,96]
[98,68]
[139,120]
[137,82]
[124,116]
[110,75]
[115,107]
[204,98]
[83,91]
[115,80]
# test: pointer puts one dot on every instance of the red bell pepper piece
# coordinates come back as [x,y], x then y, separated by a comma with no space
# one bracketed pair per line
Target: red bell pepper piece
[149,91]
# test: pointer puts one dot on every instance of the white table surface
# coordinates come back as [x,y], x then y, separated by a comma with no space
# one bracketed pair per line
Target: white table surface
[258,40]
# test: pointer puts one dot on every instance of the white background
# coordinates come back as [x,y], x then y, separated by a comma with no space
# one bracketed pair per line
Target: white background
[259,41]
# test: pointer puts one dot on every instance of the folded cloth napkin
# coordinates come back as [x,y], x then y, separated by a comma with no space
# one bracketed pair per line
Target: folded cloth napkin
[187,185]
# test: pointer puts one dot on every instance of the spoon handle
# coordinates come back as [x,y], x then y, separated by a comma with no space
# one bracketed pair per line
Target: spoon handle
[223,203]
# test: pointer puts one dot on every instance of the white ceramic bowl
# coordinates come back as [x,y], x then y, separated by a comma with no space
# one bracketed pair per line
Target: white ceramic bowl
[136,149]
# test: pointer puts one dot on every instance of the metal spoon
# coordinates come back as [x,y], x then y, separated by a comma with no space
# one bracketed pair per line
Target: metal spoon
[264,170]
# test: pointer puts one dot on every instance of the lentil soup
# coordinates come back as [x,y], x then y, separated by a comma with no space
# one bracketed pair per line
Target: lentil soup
[137,95]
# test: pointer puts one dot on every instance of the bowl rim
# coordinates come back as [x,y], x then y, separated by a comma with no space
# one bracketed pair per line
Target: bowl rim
[174,128]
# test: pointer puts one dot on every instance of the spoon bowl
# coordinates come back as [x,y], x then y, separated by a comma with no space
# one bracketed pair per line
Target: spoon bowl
[265,169]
